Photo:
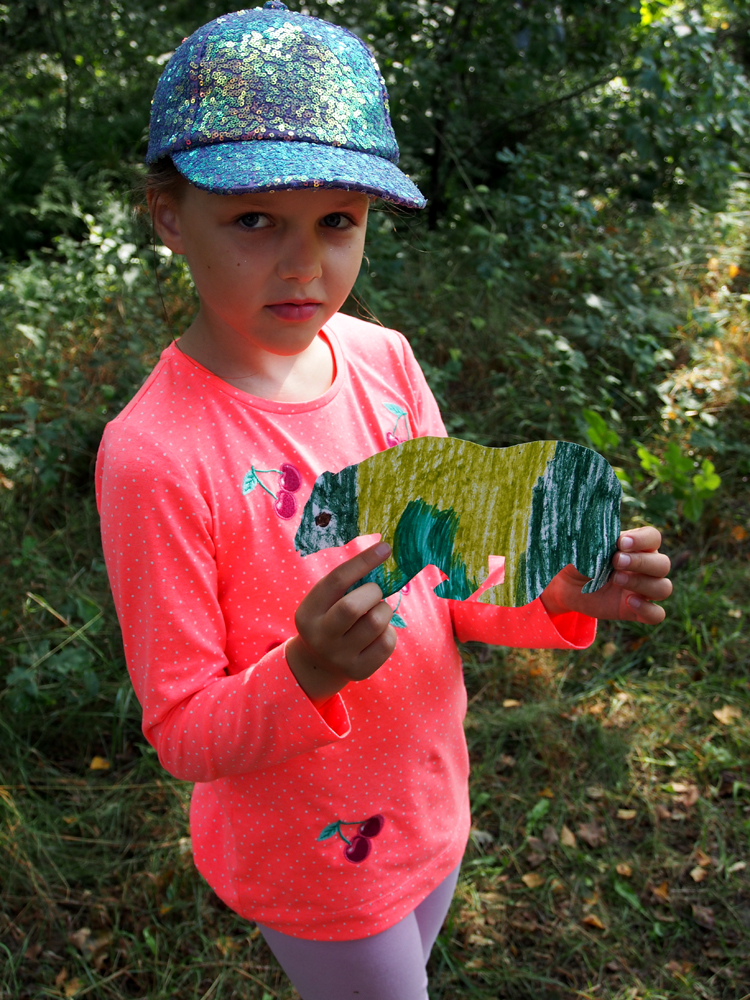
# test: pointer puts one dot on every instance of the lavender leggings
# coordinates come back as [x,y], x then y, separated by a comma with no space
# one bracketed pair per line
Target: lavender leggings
[387,966]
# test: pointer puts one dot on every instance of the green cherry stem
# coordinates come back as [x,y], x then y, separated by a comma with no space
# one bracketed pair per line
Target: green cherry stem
[260,481]
[340,823]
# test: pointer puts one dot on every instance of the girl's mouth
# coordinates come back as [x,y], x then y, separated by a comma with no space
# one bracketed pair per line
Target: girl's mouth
[294,311]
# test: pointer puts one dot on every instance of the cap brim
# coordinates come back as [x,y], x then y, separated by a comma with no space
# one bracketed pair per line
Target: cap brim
[266,165]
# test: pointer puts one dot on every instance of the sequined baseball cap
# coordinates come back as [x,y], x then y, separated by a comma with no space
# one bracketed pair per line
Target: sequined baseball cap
[268,99]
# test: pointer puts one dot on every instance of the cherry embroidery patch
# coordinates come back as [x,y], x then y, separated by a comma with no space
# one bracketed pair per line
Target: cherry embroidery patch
[392,437]
[289,482]
[359,847]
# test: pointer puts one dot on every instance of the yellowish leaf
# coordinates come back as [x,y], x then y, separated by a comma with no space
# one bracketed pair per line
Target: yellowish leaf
[661,891]
[591,920]
[727,714]
[99,764]
[733,270]
[595,792]
[738,866]
[72,987]
[702,858]
[739,534]
[511,703]
[532,880]
[556,885]
[626,814]
[713,264]
[624,869]
[679,968]
[547,793]
[6,483]
[61,976]
[609,649]
[697,874]
[567,837]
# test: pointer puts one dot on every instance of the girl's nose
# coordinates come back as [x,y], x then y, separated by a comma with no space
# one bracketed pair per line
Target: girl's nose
[300,260]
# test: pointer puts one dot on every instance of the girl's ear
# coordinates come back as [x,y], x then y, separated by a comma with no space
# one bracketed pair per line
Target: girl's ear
[166,219]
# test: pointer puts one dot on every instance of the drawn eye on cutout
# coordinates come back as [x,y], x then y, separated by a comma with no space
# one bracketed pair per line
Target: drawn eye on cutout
[323,519]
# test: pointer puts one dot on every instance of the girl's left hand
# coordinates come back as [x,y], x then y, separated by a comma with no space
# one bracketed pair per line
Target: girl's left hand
[640,578]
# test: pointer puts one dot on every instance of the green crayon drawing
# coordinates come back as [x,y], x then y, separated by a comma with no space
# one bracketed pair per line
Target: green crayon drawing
[458,506]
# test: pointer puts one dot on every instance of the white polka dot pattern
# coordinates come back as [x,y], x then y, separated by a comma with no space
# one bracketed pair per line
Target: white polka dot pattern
[206,582]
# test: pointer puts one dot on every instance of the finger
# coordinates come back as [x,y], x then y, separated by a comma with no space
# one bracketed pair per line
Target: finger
[374,656]
[655,589]
[367,630]
[648,563]
[335,584]
[637,610]
[345,613]
[645,539]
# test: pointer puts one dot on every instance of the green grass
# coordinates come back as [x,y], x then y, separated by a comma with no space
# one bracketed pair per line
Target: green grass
[100,896]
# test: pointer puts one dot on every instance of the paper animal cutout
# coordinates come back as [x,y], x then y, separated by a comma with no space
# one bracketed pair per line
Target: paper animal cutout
[460,506]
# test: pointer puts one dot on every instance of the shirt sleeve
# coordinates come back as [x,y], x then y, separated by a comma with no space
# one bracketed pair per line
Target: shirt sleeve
[429,421]
[204,720]
[529,627]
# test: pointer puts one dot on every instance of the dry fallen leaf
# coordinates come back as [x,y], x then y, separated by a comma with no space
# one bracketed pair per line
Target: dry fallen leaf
[505,761]
[738,866]
[662,812]
[80,937]
[679,968]
[702,858]
[704,916]
[661,891]
[591,833]
[556,885]
[99,764]
[511,703]
[532,880]
[609,649]
[61,976]
[549,835]
[626,814]
[567,837]
[727,714]
[739,534]
[591,920]
[547,793]
[697,874]
[595,792]
[72,987]
[227,945]
[624,869]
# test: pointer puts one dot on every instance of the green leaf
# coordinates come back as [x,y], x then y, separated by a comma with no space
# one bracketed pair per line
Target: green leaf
[397,410]
[329,831]
[629,896]
[249,482]
[397,621]
[536,814]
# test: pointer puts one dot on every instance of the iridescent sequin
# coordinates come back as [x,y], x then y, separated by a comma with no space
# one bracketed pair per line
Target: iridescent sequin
[269,99]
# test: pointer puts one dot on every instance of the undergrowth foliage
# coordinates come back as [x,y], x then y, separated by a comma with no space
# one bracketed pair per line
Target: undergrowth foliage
[585,276]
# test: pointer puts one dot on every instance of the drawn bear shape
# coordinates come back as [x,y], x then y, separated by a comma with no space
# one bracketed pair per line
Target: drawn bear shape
[462,507]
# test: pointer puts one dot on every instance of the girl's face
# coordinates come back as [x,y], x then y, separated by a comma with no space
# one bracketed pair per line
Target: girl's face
[272,268]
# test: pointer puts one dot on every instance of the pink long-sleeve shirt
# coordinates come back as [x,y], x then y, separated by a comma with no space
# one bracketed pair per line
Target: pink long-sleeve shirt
[206,581]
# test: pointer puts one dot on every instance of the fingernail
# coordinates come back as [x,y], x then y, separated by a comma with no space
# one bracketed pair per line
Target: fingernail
[382,549]
[634,602]
[626,542]
[623,561]
[621,579]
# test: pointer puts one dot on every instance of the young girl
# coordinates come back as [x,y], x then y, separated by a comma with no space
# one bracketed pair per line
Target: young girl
[327,750]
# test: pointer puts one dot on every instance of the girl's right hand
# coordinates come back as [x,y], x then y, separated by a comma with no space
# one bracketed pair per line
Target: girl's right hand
[342,637]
